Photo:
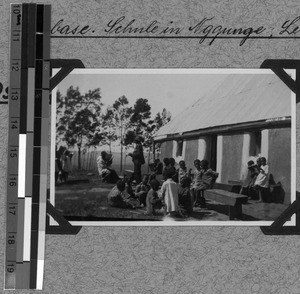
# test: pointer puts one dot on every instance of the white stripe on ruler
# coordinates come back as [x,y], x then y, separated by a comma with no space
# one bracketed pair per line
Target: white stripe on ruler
[22,165]
[40,274]
[27,229]
[41,239]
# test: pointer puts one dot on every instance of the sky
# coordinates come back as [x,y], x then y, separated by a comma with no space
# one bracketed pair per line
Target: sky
[173,91]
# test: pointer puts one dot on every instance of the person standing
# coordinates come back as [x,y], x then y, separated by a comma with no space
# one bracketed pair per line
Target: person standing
[137,159]
[58,167]
[169,194]
[262,180]
[66,165]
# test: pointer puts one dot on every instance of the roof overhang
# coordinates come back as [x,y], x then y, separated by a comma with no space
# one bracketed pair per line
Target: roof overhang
[227,129]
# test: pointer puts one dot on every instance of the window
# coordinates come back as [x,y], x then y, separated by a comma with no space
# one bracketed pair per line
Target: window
[179,148]
[255,147]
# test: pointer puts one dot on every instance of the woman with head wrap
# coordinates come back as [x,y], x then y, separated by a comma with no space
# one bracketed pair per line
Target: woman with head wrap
[106,172]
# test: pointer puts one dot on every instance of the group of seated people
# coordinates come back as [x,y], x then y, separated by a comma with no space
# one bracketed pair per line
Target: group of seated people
[176,194]
[257,181]
[177,191]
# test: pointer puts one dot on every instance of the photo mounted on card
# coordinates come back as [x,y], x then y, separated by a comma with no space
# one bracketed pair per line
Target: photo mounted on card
[175,147]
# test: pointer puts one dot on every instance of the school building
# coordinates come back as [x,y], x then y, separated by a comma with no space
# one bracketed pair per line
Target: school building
[243,117]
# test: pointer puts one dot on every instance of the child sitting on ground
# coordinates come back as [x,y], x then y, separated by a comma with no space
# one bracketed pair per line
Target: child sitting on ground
[129,189]
[184,196]
[153,202]
[169,192]
[119,197]
[141,190]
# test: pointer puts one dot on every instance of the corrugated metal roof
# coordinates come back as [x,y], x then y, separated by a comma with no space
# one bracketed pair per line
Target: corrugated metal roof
[236,99]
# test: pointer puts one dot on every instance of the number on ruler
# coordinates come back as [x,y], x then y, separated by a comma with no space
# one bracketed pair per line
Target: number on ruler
[12,185]
[14,124]
[16,9]
[10,267]
[17,12]
[13,152]
[13,182]
[11,240]
[14,95]
[12,209]
[15,66]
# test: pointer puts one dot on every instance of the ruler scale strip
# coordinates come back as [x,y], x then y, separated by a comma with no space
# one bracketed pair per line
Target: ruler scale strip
[43,113]
[29,132]
[22,281]
[13,146]
[28,145]
[36,152]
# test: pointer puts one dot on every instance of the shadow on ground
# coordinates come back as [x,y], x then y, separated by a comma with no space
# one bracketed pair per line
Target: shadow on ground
[86,200]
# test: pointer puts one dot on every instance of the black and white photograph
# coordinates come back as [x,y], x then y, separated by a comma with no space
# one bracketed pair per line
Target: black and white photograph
[172,147]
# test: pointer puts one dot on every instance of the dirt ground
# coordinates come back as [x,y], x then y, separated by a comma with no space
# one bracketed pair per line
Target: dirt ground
[86,199]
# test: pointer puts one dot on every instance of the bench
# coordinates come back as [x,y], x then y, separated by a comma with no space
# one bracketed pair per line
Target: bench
[235,188]
[129,171]
[233,200]
[235,182]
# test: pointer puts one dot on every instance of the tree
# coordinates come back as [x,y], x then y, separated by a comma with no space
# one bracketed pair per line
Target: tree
[59,114]
[78,119]
[142,125]
[160,119]
[141,113]
[109,128]
[92,100]
[129,137]
[122,113]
